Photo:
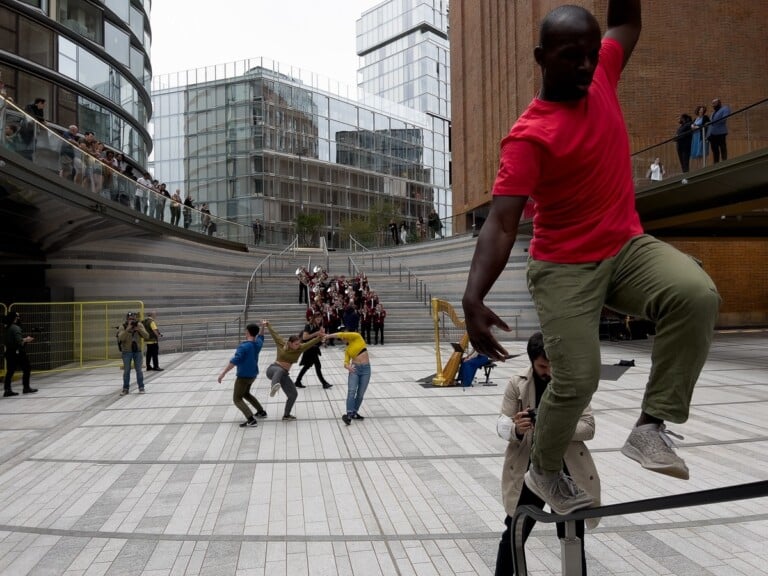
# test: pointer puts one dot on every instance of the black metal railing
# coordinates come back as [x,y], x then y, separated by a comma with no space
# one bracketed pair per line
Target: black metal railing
[570,545]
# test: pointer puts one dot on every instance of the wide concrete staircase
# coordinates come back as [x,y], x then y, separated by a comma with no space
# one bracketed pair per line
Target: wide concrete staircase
[199,291]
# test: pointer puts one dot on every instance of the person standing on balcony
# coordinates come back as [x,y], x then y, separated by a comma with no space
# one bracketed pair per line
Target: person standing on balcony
[718,130]
[684,139]
[176,207]
[142,192]
[393,232]
[29,128]
[656,171]
[700,126]
[569,152]
[67,151]
[189,204]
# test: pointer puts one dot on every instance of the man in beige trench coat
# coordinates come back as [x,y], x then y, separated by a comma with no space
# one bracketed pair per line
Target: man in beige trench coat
[515,424]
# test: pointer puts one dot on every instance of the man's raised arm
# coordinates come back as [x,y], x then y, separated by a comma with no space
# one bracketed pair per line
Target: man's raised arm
[624,24]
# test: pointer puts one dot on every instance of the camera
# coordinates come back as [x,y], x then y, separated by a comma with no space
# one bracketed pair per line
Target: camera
[134,323]
[532,415]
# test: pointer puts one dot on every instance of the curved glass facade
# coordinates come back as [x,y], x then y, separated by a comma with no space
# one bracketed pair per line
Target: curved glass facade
[89,60]
[256,141]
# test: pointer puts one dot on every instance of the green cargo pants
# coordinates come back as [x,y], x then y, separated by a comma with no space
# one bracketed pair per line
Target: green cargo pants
[647,278]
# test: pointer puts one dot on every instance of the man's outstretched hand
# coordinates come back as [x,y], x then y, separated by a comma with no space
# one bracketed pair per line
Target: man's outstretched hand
[479,320]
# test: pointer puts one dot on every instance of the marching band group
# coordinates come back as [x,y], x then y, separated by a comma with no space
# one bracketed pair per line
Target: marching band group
[342,301]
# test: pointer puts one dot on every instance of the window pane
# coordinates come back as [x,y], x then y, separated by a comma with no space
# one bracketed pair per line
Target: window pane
[137,62]
[35,43]
[119,7]
[93,72]
[7,30]
[137,23]
[83,18]
[117,43]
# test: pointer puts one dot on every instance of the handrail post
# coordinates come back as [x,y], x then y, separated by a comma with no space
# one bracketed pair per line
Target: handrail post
[570,551]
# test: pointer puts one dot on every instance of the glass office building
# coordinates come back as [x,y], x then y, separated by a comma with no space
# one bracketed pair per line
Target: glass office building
[88,59]
[258,140]
[404,51]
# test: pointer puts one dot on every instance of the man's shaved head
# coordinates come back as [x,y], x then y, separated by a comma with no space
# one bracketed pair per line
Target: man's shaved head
[565,19]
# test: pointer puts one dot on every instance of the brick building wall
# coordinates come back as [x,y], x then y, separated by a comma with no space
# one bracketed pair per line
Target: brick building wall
[689,52]
[737,266]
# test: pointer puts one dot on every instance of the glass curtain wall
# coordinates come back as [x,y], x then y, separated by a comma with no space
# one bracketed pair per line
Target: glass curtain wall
[266,145]
[404,50]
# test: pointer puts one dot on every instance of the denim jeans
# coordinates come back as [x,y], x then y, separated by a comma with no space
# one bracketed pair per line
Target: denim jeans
[357,382]
[137,359]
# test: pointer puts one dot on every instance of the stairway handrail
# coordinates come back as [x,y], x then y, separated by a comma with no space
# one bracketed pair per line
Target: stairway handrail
[251,283]
[354,243]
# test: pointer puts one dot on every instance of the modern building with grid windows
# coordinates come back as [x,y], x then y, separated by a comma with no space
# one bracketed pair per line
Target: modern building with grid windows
[405,57]
[88,60]
[258,140]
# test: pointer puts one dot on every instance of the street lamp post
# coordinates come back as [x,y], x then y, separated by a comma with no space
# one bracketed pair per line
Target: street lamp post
[301,153]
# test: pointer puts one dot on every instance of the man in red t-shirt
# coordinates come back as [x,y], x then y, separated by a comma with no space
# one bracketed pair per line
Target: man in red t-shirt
[569,153]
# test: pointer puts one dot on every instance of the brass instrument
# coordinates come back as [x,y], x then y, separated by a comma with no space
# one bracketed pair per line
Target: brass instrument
[446,376]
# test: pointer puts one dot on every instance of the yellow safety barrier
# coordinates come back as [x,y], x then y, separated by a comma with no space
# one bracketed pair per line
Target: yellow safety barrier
[73,335]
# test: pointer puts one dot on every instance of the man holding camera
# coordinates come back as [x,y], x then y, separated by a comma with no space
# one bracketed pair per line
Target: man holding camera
[515,425]
[131,337]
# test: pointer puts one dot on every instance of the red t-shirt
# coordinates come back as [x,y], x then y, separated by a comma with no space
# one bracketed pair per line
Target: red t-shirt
[572,159]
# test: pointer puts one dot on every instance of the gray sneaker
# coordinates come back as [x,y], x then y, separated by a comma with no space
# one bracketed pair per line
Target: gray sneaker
[651,445]
[274,389]
[557,490]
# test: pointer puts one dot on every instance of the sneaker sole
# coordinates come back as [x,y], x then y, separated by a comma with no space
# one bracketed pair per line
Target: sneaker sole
[560,511]
[667,469]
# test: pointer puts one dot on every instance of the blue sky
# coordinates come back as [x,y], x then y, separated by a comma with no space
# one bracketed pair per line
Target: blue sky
[316,35]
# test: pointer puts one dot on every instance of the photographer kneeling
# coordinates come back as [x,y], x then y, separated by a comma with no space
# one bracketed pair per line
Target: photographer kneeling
[516,425]
[131,339]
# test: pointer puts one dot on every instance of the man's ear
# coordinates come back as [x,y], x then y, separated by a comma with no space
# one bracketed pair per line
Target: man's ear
[538,55]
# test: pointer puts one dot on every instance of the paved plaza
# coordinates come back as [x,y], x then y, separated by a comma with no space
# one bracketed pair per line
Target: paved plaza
[166,483]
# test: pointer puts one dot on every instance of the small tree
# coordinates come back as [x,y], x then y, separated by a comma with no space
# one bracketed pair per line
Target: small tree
[307,227]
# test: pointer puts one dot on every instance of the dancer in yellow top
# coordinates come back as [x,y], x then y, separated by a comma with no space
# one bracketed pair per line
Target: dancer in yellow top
[358,365]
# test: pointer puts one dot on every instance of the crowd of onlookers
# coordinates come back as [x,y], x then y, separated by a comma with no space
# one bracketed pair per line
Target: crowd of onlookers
[695,137]
[342,302]
[87,162]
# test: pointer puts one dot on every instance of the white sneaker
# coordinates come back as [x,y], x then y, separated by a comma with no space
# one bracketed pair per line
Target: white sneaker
[274,389]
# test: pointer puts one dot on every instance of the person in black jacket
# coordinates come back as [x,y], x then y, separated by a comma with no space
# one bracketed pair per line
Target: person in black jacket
[28,127]
[311,356]
[684,138]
